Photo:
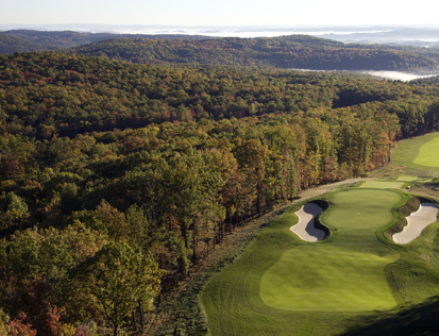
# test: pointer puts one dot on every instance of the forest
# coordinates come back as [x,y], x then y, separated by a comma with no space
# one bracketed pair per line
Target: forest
[22,40]
[293,51]
[116,178]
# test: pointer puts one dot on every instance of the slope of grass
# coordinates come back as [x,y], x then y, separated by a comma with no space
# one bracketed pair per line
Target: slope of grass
[412,153]
[429,154]
[406,178]
[382,185]
[235,300]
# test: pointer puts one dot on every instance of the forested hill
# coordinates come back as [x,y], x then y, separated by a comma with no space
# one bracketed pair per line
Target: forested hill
[119,173]
[32,40]
[46,94]
[10,44]
[295,51]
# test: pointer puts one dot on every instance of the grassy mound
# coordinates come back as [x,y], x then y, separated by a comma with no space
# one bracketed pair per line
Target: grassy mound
[320,288]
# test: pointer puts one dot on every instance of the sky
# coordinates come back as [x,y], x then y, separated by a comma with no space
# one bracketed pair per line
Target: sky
[285,13]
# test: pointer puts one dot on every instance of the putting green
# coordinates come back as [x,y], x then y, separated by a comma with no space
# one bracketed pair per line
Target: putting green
[429,154]
[346,274]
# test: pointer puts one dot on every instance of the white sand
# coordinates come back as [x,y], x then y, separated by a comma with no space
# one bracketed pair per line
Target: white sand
[417,222]
[305,228]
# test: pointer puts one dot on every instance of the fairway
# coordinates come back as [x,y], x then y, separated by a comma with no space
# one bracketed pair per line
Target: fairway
[421,153]
[429,154]
[347,274]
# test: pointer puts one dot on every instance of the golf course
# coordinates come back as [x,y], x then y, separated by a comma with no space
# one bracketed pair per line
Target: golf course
[355,278]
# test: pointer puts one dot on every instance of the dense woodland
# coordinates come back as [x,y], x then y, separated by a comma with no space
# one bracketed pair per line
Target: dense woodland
[294,51]
[115,178]
[22,40]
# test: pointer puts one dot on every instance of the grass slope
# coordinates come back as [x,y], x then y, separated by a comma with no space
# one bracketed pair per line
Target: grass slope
[429,154]
[346,274]
[232,299]
[418,153]
[382,185]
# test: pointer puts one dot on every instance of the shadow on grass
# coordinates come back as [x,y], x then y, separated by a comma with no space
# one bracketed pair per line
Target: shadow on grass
[416,320]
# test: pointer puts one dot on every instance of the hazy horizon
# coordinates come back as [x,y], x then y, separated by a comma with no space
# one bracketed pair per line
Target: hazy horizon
[227,13]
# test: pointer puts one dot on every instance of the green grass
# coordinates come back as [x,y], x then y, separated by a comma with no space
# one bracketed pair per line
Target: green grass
[282,285]
[418,153]
[341,280]
[406,178]
[382,185]
[429,154]
[350,276]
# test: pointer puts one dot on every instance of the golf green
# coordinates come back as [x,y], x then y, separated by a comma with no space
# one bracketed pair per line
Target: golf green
[348,273]
[429,154]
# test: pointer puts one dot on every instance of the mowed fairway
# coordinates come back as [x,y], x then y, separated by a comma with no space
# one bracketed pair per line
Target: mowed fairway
[282,285]
[429,154]
[347,274]
[420,152]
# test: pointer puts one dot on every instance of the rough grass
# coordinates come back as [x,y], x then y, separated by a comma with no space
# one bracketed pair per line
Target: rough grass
[406,178]
[382,185]
[232,299]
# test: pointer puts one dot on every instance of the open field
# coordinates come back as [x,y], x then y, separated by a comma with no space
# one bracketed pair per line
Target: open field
[282,285]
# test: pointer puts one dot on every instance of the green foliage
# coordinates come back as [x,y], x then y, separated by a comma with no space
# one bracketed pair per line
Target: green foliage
[295,51]
[118,278]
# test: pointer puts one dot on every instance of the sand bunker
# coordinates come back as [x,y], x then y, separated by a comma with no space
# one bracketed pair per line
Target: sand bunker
[305,228]
[416,223]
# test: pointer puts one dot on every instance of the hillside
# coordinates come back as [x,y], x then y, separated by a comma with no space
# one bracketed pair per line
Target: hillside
[295,51]
[33,40]
[10,44]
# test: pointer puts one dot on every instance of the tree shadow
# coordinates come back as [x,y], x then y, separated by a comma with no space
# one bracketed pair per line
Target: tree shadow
[416,320]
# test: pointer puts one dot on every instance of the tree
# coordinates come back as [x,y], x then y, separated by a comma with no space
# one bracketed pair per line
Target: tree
[117,277]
